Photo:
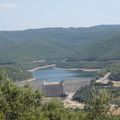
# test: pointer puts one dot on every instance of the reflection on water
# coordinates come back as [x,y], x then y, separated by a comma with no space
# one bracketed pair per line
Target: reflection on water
[58,74]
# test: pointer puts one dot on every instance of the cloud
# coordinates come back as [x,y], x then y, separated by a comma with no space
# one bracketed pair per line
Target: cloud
[8,6]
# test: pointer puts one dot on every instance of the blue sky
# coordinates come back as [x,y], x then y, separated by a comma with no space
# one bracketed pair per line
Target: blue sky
[27,14]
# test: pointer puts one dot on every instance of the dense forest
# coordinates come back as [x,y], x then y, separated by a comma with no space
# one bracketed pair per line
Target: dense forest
[98,43]
[23,103]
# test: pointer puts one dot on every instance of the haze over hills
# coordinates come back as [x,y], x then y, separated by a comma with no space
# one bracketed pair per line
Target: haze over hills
[93,43]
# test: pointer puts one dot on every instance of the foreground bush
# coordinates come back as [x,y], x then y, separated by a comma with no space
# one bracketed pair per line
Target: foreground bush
[23,103]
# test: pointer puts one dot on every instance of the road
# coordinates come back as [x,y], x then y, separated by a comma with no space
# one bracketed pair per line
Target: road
[104,79]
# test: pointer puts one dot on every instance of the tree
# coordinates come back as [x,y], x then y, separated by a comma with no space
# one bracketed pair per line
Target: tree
[99,106]
[18,103]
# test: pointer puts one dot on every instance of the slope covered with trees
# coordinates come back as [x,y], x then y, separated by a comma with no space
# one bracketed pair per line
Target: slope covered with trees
[93,43]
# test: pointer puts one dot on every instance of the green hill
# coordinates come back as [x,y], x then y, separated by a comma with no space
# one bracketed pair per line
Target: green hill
[93,43]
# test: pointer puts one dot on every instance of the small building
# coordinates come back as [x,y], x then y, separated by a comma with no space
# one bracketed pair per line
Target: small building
[53,89]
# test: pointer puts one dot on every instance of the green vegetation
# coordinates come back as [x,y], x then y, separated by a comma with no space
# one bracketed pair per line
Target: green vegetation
[19,72]
[16,73]
[99,105]
[23,103]
[94,47]
[114,69]
[84,93]
[61,45]
[17,103]
[115,72]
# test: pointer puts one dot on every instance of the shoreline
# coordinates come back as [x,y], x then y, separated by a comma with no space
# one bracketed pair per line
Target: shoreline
[90,70]
[54,65]
[42,67]
[28,80]
[83,69]
[70,69]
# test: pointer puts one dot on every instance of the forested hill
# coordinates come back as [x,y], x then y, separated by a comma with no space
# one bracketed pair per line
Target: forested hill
[92,43]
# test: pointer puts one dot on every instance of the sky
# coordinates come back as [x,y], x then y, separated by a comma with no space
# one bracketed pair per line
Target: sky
[30,14]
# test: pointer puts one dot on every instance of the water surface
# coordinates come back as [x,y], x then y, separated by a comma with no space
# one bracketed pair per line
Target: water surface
[58,74]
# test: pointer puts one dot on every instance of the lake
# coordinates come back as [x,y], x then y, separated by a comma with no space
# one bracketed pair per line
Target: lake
[73,80]
[58,74]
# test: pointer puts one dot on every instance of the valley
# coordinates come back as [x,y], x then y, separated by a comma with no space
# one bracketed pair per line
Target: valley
[86,59]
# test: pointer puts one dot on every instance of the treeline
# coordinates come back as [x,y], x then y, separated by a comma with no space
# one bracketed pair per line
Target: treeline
[23,103]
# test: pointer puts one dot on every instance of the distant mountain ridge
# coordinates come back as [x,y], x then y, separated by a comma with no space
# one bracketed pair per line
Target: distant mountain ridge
[93,43]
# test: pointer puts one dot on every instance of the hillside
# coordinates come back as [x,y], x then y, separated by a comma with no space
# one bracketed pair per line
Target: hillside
[92,44]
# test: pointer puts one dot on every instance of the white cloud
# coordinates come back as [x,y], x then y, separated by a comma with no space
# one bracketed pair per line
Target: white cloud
[8,6]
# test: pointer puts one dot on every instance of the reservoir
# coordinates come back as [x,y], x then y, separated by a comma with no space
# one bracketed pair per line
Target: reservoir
[73,79]
[58,74]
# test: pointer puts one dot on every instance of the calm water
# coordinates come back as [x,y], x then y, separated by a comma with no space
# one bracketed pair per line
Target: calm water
[58,74]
